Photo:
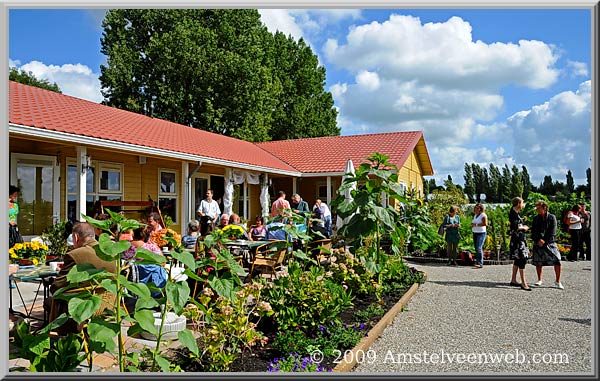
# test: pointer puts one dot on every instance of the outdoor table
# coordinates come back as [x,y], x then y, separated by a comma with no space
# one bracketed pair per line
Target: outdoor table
[246,248]
[41,274]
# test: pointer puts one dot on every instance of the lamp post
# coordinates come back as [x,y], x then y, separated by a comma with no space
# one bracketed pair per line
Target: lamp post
[498,246]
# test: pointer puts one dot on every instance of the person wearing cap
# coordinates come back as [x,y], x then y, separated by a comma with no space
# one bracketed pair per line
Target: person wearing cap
[189,240]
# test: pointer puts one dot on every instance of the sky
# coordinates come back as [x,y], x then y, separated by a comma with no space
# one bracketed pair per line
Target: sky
[502,86]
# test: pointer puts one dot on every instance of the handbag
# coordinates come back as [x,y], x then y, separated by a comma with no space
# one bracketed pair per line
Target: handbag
[441,229]
[14,236]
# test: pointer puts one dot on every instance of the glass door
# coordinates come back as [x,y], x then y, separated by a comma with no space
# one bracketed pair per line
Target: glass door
[37,177]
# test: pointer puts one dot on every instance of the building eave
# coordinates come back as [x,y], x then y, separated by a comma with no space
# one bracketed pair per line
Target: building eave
[36,132]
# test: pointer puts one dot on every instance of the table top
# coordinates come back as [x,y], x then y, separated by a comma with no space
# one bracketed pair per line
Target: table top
[246,243]
[26,273]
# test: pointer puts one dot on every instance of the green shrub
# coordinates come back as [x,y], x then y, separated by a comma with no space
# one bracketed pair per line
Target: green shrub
[306,298]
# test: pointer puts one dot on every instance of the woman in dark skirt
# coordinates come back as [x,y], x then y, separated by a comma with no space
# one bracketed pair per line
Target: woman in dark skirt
[518,247]
[545,250]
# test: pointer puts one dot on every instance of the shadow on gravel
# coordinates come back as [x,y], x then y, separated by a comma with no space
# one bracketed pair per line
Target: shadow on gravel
[580,321]
[474,283]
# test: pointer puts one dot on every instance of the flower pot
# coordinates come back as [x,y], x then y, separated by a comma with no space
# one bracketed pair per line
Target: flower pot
[173,324]
[25,262]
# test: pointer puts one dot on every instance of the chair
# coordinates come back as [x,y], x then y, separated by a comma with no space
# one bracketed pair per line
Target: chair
[271,256]
[319,249]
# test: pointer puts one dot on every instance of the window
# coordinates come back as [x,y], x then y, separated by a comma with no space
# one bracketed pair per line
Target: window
[240,200]
[403,187]
[167,194]
[104,181]
[322,191]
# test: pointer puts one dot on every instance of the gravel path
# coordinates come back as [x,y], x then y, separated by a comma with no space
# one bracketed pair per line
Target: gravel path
[463,310]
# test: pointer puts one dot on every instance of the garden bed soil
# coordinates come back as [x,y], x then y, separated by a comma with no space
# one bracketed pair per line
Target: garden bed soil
[259,358]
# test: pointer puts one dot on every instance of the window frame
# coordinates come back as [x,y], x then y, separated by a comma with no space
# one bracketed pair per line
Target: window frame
[169,195]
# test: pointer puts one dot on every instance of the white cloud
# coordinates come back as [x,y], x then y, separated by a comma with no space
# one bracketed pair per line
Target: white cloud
[577,69]
[368,80]
[555,136]
[76,80]
[13,63]
[442,54]
[280,20]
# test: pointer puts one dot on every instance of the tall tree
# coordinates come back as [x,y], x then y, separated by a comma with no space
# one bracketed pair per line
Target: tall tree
[304,109]
[215,69]
[516,183]
[469,184]
[28,78]
[588,175]
[449,184]
[485,186]
[494,195]
[570,182]
[477,181]
[506,181]
[527,185]
[547,186]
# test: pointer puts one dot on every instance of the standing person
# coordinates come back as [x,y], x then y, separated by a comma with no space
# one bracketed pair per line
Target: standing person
[518,247]
[325,213]
[298,205]
[14,236]
[575,232]
[586,231]
[208,211]
[279,205]
[451,227]
[478,227]
[545,250]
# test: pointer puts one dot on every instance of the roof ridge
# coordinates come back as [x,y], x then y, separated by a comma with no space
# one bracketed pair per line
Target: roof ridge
[340,136]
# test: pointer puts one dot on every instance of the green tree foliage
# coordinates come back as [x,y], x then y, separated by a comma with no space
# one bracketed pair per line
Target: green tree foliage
[516,184]
[494,193]
[303,108]
[27,78]
[215,69]
[547,186]
[506,180]
[469,182]
[527,186]
[570,182]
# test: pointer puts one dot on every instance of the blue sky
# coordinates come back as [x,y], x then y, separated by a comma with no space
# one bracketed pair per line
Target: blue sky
[484,85]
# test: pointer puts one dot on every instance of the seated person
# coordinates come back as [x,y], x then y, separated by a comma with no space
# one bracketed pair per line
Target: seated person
[258,232]
[83,252]
[275,231]
[189,240]
[223,221]
[144,273]
[236,225]
[316,231]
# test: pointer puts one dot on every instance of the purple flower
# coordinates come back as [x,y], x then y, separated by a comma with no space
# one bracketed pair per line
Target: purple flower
[362,326]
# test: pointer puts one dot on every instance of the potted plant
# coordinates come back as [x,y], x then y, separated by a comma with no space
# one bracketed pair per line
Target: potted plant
[56,238]
[28,253]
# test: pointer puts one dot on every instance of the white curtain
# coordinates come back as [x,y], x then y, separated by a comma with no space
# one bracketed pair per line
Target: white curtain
[264,200]
[228,196]
[250,177]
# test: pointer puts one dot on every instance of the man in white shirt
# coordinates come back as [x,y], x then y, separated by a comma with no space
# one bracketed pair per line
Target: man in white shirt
[208,211]
[324,213]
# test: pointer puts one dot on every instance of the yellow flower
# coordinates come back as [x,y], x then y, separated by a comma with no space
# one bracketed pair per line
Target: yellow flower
[18,246]
[35,261]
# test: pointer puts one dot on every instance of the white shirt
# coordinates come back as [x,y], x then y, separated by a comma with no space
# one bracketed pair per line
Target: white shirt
[210,209]
[478,220]
[324,210]
[574,218]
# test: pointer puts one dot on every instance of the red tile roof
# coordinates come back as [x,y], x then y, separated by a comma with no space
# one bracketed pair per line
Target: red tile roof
[35,107]
[330,154]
